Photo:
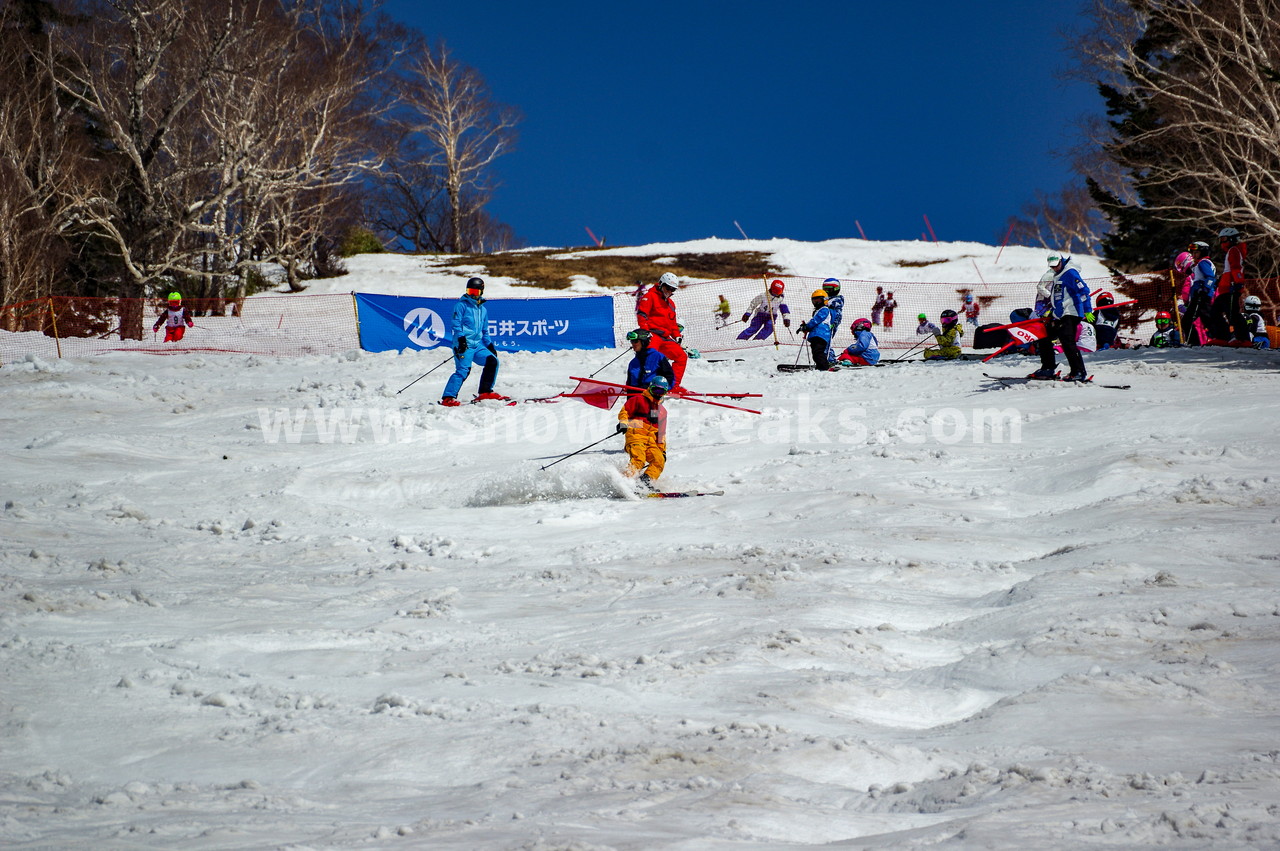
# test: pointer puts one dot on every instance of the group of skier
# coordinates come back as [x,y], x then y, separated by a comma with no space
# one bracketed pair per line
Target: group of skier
[1213,306]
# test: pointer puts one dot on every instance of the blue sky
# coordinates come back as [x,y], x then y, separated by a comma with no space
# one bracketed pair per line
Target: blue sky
[670,121]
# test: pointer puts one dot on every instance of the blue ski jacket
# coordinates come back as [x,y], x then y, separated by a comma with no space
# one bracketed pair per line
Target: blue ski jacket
[646,365]
[1205,279]
[836,305]
[866,345]
[820,325]
[471,320]
[1070,294]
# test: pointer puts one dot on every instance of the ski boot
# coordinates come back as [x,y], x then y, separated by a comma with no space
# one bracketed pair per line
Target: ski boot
[1043,375]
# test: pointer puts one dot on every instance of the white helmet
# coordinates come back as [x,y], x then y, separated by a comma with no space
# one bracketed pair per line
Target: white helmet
[1056,260]
[1252,302]
[1229,233]
[668,280]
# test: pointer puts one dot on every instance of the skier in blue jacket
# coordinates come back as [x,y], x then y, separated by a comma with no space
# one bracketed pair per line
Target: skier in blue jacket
[818,329]
[647,362]
[1204,288]
[472,345]
[1067,307]
[865,348]
[835,302]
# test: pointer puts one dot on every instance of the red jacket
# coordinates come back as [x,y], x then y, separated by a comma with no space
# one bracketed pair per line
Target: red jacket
[643,408]
[1233,269]
[656,313]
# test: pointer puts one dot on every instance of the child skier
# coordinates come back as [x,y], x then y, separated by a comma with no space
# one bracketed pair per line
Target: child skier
[971,309]
[722,312]
[835,303]
[648,362]
[1255,324]
[644,421]
[890,305]
[1204,287]
[865,348]
[878,306]
[926,327]
[1106,321]
[763,310]
[818,329]
[1166,335]
[948,338]
[471,344]
[176,320]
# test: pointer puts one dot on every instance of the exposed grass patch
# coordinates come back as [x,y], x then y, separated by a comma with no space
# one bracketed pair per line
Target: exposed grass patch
[538,269]
[916,264]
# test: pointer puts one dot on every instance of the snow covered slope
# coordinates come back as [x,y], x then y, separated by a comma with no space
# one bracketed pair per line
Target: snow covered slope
[252,603]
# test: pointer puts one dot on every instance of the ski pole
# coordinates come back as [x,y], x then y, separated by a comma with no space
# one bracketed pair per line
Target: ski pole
[911,351]
[583,449]
[424,375]
[620,354]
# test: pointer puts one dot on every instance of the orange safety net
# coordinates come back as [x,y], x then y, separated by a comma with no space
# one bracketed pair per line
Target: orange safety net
[266,324]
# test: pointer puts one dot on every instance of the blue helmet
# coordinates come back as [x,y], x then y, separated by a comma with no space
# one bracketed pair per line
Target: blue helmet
[831,286]
[658,385]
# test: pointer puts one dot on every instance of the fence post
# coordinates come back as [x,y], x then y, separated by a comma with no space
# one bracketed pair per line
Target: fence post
[53,317]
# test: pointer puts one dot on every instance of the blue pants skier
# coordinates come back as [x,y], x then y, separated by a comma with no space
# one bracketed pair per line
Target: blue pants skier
[760,328]
[480,356]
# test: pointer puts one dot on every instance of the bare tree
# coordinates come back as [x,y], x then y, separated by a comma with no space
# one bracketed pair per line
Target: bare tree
[1069,222]
[1197,109]
[467,131]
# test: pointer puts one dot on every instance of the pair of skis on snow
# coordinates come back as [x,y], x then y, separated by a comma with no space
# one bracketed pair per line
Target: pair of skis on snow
[1009,380]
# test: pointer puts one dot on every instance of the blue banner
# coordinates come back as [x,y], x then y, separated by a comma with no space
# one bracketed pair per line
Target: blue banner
[393,322]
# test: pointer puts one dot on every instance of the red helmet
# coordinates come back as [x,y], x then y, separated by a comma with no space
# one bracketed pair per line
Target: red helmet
[777,288]
[860,325]
[1109,298]
[1163,316]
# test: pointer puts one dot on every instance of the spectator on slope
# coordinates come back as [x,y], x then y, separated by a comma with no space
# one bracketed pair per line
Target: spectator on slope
[865,348]
[877,306]
[1255,324]
[1067,307]
[644,421]
[656,313]
[948,337]
[647,362]
[763,311]
[472,345]
[818,329]
[1226,321]
[1166,335]
[176,319]
[1204,285]
[890,305]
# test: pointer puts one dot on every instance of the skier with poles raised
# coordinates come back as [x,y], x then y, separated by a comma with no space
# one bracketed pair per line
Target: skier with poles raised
[472,345]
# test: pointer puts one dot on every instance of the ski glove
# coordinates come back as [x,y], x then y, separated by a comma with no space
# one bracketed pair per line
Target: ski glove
[460,346]
[693,353]
[1088,317]
[746,316]
[622,427]
[786,323]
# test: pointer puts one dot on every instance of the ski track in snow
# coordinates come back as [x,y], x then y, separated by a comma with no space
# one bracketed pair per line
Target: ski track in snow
[210,640]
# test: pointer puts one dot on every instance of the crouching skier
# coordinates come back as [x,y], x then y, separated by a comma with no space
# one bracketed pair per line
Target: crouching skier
[644,421]
[471,344]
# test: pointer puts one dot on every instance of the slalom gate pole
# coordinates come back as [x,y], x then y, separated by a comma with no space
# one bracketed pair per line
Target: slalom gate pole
[620,354]
[583,449]
[424,375]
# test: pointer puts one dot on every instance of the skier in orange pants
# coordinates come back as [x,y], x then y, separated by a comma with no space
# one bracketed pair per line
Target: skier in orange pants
[644,421]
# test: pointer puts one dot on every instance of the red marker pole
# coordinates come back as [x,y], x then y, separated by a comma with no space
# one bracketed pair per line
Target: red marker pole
[860,231]
[593,237]
[930,227]
[1004,243]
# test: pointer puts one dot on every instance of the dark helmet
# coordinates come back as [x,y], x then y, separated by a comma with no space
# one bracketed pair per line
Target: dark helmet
[1105,298]
[475,286]
[1022,314]
[639,334]
[658,386]
[948,318]
[1199,246]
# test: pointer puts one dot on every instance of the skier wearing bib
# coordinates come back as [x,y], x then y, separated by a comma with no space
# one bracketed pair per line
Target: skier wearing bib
[818,329]
[1068,306]
[176,320]
[648,362]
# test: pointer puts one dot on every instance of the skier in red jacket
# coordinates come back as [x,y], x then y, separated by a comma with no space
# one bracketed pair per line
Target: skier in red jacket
[656,313]
[176,319]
